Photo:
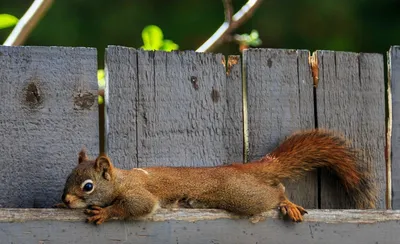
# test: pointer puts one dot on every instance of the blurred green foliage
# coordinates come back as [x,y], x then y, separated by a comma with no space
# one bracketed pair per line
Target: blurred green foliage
[153,39]
[101,78]
[358,25]
[7,20]
[251,39]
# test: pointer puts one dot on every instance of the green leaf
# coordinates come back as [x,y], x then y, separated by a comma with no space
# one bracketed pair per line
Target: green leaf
[100,78]
[255,43]
[250,40]
[254,34]
[152,37]
[254,39]
[100,99]
[169,45]
[7,20]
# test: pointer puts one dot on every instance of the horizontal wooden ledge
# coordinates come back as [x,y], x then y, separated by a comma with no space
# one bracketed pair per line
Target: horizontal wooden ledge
[193,215]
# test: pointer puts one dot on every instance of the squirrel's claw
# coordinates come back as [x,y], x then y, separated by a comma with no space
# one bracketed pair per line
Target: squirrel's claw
[95,219]
[293,211]
[93,210]
[98,215]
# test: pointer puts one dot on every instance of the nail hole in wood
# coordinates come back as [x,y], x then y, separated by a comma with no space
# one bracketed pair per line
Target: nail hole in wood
[269,63]
[194,81]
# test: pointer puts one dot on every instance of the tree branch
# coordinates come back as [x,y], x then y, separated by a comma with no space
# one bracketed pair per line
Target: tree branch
[26,24]
[228,10]
[227,27]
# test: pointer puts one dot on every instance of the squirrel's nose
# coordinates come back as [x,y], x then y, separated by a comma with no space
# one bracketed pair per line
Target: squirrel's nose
[65,199]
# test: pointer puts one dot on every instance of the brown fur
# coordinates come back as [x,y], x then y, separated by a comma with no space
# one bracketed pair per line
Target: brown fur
[308,150]
[244,189]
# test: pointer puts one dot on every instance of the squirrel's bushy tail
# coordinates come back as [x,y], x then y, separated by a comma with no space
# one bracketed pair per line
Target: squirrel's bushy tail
[308,150]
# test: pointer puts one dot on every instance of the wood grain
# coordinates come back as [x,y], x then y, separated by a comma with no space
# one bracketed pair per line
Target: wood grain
[48,112]
[351,101]
[394,86]
[234,114]
[182,112]
[199,226]
[121,66]
[192,215]
[280,102]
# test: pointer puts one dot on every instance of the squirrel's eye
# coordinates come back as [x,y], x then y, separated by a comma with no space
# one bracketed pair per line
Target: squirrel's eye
[87,186]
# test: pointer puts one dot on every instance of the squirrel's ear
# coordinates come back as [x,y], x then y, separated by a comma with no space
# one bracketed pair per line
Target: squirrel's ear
[103,164]
[82,156]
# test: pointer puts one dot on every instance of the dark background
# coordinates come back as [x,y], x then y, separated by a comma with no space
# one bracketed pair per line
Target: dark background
[343,25]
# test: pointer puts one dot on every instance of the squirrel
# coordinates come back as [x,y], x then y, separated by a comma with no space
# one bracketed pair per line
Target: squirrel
[247,189]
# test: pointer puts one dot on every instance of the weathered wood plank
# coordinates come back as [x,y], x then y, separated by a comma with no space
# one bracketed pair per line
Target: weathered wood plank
[351,101]
[280,102]
[182,111]
[394,86]
[234,114]
[121,65]
[199,226]
[48,113]
[333,216]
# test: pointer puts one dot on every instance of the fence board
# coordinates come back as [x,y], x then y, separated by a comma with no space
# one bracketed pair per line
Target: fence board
[280,102]
[121,67]
[48,112]
[234,116]
[351,100]
[394,79]
[179,101]
[205,226]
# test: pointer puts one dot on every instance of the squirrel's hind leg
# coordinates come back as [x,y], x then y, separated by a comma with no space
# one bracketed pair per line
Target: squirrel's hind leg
[292,211]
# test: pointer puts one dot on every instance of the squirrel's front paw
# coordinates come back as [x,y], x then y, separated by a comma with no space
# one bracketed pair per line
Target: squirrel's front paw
[293,211]
[98,215]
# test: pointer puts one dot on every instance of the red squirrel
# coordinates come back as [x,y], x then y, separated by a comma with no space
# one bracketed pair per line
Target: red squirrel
[244,189]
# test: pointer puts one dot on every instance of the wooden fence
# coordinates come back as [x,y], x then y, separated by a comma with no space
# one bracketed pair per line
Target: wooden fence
[193,109]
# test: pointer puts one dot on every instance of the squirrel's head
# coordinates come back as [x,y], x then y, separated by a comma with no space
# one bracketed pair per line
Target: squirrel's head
[90,182]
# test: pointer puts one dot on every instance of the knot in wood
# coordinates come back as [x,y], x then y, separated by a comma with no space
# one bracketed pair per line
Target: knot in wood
[215,95]
[33,95]
[84,100]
